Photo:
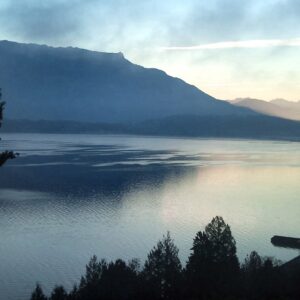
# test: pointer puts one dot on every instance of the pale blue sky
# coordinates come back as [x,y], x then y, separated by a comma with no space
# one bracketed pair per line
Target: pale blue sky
[228,48]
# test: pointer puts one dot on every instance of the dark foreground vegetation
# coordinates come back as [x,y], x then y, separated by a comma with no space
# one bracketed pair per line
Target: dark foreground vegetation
[211,272]
[5,155]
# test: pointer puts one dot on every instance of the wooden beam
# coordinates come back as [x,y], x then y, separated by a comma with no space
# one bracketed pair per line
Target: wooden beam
[285,242]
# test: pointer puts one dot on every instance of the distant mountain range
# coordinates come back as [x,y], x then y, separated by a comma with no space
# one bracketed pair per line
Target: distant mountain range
[51,89]
[277,107]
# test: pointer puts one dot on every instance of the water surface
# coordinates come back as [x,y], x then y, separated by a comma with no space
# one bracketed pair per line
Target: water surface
[68,197]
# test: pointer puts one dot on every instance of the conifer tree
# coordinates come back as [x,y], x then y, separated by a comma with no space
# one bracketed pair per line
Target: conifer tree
[162,270]
[213,265]
[38,293]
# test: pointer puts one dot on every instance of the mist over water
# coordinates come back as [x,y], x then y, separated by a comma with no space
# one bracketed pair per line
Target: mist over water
[68,197]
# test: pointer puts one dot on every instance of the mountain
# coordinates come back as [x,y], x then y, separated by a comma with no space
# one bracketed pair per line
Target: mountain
[233,126]
[41,82]
[277,107]
[291,105]
[51,89]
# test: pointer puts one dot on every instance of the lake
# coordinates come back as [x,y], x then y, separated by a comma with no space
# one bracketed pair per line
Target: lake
[67,197]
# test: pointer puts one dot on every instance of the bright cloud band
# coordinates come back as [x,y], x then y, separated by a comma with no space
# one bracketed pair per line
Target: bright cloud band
[240,44]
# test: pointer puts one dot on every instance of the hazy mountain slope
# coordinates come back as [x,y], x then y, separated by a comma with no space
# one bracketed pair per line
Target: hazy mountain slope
[278,107]
[295,106]
[233,126]
[41,82]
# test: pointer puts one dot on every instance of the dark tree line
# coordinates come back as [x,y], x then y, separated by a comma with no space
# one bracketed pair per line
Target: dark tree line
[211,272]
[5,155]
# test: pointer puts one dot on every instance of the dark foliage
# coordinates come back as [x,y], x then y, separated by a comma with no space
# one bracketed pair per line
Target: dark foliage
[213,268]
[212,272]
[59,293]
[162,271]
[38,294]
[102,280]
[4,156]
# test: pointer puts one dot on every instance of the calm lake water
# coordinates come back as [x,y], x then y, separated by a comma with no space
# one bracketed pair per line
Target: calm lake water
[68,197]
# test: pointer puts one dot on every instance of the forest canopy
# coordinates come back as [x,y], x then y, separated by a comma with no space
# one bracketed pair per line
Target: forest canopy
[212,271]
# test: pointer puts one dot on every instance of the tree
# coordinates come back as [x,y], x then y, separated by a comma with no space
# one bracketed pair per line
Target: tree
[223,245]
[213,265]
[4,156]
[199,273]
[271,284]
[74,294]
[59,293]
[90,284]
[38,293]
[253,263]
[111,281]
[162,270]
[251,271]
[119,281]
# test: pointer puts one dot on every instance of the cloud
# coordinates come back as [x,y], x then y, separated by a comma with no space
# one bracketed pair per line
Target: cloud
[126,24]
[240,44]
[43,21]
[218,20]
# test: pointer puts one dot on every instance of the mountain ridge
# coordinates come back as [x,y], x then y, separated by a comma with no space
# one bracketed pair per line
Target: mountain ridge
[81,85]
[57,89]
[277,107]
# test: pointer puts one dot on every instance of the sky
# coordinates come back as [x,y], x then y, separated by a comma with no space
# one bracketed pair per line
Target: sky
[227,48]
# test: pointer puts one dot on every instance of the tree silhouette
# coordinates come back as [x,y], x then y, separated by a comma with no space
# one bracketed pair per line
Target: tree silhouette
[251,271]
[199,267]
[59,293]
[162,270]
[222,241]
[38,293]
[213,264]
[253,263]
[119,281]
[90,284]
[212,273]
[74,294]
[4,156]
[113,281]
[271,284]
